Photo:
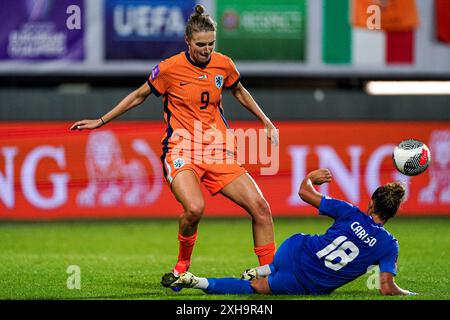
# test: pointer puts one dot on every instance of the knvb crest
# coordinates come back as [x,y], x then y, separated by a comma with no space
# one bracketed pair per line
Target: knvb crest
[219,81]
[178,163]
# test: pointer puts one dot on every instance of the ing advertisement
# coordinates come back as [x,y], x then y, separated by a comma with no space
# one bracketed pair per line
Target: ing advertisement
[49,172]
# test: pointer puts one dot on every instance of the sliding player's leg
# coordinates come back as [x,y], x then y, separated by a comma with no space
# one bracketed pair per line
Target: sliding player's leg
[281,260]
[281,277]
[284,276]
[222,285]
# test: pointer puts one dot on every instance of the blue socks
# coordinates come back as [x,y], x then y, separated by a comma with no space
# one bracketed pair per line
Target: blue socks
[229,286]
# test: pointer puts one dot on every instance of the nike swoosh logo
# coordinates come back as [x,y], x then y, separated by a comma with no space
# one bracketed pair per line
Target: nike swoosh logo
[184,83]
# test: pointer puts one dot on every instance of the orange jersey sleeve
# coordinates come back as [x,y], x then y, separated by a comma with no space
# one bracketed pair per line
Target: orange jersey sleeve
[159,79]
[233,75]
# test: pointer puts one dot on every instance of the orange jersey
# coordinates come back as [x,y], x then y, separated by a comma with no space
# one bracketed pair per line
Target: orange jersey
[192,97]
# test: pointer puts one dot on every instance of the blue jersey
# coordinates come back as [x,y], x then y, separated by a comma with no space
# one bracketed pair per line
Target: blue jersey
[352,244]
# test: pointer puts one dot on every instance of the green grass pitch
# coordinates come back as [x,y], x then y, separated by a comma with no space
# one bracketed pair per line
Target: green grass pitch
[125,259]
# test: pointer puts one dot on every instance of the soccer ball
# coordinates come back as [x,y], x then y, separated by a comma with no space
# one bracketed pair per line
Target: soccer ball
[411,157]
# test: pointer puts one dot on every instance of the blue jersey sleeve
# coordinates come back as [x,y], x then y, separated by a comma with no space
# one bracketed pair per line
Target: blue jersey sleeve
[335,208]
[389,262]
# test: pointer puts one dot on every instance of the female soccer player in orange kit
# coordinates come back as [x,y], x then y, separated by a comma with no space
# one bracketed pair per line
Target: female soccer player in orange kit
[191,84]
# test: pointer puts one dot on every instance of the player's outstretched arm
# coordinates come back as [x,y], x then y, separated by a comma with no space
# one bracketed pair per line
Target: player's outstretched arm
[245,98]
[307,191]
[388,287]
[132,100]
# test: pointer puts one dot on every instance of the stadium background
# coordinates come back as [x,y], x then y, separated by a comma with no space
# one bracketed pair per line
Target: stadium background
[307,64]
[306,71]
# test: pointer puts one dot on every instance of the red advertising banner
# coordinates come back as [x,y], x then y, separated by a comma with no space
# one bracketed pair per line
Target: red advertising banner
[49,172]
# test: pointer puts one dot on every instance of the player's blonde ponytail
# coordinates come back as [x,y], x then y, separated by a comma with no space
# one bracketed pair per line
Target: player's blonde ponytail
[199,9]
[199,21]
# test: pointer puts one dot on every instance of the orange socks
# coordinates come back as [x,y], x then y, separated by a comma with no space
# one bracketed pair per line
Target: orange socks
[184,253]
[265,253]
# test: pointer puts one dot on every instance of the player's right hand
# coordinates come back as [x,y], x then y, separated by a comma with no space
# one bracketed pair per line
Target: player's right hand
[320,176]
[86,124]
[272,133]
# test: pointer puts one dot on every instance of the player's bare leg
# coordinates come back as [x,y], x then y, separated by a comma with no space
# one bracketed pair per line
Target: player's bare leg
[186,190]
[244,191]
[261,286]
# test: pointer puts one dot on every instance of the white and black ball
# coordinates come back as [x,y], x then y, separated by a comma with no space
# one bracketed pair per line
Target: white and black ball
[411,157]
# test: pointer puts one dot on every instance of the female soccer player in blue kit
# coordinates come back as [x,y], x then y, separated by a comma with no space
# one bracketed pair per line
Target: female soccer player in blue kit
[319,264]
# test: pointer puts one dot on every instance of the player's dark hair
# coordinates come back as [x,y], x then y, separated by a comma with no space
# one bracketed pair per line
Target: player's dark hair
[199,21]
[387,199]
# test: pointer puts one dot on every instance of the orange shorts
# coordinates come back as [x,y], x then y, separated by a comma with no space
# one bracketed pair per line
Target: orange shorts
[214,176]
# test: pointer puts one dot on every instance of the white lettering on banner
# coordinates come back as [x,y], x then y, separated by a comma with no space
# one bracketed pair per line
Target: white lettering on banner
[271,21]
[36,39]
[298,156]
[348,180]
[175,23]
[438,188]
[273,159]
[59,181]
[372,175]
[148,21]
[7,180]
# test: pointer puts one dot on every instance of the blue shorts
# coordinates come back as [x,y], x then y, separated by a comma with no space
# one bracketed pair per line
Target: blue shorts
[282,280]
